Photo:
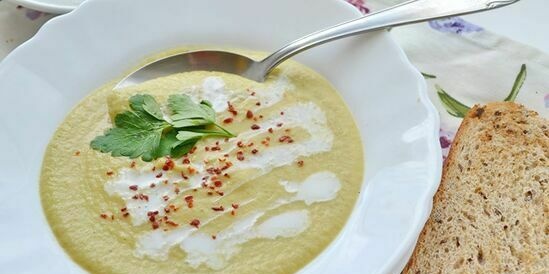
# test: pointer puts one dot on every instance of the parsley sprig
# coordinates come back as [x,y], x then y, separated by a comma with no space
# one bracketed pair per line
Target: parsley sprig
[144,131]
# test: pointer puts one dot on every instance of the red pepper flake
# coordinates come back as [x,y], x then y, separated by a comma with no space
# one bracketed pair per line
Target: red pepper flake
[214,237]
[251,144]
[155,225]
[233,212]
[186,161]
[249,114]
[144,197]
[195,223]
[255,151]
[152,213]
[216,148]
[258,104]
[240,156]
[172,223]
[132,164]
[282,113]
[210,193]
[176,190]
[135,197]
[104,215]
[279,124]
[165,197]
[133,187]
[271,130]
[219,208]
[206,148]
[188,198]
[126,214]
[255,127]
[159,175]
[152,219]
[227,175]
[232,109]
[192,150]
[235,206]
[110,173]
[191,170]
[253,93]
[184,176]
[260,116]
[154,168]
[153,185]
[239,144]
[300,163]
[77,153]
[220,193]
[167,210]
[165,182]
[169,165]
[228,120]
[123,209]
[218,184]
[285,139]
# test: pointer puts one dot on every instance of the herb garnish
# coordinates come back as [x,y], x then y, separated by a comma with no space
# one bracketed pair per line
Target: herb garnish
[144,131]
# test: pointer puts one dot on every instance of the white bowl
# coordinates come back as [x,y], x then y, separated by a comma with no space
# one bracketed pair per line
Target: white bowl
[76,53]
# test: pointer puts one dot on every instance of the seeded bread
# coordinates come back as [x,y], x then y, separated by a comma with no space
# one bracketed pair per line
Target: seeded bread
[491,212]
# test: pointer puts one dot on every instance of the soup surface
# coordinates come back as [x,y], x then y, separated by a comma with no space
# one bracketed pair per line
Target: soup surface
[266,201]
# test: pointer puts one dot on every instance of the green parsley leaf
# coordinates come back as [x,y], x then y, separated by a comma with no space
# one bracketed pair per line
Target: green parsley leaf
[183,108]
[136,133]
[143,132]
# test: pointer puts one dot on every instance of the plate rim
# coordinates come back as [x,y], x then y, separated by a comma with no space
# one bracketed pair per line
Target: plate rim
[45,7]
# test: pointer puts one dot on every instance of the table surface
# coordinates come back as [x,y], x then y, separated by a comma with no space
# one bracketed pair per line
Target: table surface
[525,22]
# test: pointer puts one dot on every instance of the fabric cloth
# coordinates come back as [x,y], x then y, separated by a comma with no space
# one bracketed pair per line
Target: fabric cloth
[469,63]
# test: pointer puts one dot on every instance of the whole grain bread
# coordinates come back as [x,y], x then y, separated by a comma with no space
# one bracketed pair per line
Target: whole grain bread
[491,212]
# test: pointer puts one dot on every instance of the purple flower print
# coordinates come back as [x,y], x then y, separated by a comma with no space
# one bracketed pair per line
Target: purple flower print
[445,138]
[546,99]
[33,14]
[454,25]
[360,5]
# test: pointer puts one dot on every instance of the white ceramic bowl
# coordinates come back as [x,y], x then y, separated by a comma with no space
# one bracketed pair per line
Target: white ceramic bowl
[76,53]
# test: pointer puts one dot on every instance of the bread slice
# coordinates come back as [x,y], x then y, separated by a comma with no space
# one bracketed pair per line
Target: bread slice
[491,211]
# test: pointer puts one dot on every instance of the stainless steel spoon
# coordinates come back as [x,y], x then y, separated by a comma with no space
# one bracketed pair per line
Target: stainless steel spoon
[409,12]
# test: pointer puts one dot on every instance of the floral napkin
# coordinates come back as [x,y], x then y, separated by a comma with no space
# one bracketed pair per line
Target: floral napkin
[462,63]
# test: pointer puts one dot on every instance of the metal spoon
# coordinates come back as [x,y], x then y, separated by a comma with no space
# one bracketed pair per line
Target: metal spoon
[409,12]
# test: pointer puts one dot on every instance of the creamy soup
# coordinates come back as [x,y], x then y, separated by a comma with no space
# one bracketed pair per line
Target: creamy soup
[266,201]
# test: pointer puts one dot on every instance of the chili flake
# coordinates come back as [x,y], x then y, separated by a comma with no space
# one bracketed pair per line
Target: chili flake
[132,164]
[159,175]
[300,163]
[195,223]
[235,206]
[133,187]
[219,208]
[218,184]
[249,114]
[110,173]
[255,127]
[228,120]
[169,165]
[240,156]
[255,151]
[77,153]
[285,138]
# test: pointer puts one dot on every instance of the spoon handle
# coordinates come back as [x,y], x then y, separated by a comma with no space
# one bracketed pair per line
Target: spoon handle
[409,12]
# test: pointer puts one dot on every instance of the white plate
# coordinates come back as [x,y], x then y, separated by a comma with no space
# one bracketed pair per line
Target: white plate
[51,6]
[74,54]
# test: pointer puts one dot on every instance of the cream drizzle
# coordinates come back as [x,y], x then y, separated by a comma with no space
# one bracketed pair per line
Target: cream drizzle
[319,187]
